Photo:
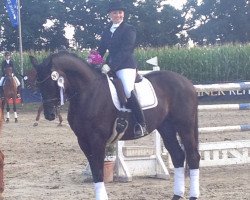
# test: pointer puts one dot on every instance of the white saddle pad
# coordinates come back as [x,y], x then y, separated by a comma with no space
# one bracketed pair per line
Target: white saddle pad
[145,93]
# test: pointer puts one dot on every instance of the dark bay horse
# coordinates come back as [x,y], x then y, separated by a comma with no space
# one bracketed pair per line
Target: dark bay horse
[9,92]
[91,115]
[30,80]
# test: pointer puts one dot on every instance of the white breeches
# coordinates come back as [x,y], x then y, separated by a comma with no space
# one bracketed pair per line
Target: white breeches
[16,79]
[127,77]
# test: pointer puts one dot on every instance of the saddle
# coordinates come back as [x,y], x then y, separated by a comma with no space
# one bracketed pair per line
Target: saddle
[143,88]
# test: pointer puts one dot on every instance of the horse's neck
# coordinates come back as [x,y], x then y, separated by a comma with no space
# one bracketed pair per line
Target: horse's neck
[81,82]
[81,78]
[80,69]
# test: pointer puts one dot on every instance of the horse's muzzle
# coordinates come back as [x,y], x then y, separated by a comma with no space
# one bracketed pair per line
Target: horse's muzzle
[49,113]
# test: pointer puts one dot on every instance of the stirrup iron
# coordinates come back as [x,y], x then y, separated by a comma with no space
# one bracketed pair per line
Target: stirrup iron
[140,131]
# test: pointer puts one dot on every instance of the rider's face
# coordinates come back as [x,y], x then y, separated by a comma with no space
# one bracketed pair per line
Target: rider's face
[116,16]
[7,57]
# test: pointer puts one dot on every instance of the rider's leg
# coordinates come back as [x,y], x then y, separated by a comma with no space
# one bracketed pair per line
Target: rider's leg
[127,77]
[18,91]
[18,86]
[140,128]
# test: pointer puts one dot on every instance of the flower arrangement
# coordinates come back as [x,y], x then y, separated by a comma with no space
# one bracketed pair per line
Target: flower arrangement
[95,58]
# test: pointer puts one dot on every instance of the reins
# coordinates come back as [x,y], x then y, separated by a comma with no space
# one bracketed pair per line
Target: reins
[42,81]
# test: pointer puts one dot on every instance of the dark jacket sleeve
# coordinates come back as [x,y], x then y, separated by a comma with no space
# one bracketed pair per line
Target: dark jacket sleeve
[104,43]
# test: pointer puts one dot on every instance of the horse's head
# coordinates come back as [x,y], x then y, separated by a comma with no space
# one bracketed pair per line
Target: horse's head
[8,71]
[49,88]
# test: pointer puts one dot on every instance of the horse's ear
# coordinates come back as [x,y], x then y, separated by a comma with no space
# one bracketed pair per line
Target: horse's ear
[33,61]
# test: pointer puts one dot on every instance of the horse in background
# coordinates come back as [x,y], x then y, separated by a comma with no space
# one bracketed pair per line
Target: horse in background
[92,115]
[9,92]
[30,82]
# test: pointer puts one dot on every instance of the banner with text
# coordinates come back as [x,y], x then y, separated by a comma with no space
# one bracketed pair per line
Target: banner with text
[12,9]
[242,95]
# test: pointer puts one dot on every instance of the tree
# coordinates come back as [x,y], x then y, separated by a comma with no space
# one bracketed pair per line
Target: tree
[220,21]
[157,24]
[34,14]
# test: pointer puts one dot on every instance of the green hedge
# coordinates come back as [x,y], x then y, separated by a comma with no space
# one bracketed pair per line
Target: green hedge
[227,63]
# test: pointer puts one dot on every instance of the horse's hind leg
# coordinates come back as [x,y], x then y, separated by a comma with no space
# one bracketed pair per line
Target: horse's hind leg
[189,136]
[169,136]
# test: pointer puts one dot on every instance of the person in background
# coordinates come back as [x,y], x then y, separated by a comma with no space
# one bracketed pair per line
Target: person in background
[7,62]
[119,39]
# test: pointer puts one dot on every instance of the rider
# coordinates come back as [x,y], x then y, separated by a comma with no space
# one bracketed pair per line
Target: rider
[5,64]
[119,38]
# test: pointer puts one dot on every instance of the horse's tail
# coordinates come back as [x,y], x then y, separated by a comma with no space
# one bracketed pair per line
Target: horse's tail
[196,130]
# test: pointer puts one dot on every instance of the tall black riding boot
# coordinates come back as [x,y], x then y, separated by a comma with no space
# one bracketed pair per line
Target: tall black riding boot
[140,128]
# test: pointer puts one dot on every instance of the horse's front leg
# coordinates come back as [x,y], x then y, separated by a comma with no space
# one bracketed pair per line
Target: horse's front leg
[8,112]
[14,109]
[95,153]
[59,116]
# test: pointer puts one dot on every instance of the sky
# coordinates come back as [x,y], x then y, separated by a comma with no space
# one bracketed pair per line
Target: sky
[176,3]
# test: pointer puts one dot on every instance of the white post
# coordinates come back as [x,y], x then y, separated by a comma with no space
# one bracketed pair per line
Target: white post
[20,40]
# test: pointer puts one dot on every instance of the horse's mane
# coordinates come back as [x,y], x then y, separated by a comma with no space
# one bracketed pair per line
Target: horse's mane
[81,64]
[66,53]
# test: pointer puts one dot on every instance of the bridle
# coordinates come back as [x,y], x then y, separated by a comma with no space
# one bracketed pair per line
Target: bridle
[42,81]
[60,83]
[47,101]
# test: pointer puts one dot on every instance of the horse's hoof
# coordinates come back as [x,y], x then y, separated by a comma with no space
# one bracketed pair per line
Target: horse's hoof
[59,125]
[16,120]
[176,197]
[7,120]
[35,124]
[193,198]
